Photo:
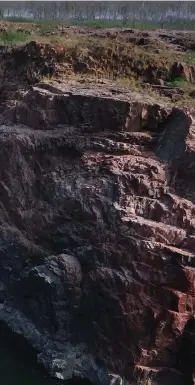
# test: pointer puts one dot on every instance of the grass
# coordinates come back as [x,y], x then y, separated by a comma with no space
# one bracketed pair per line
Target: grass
[12,37]
[110,24]
[117,60]
[189,58]
[181,83]
[19,19]
[105,23]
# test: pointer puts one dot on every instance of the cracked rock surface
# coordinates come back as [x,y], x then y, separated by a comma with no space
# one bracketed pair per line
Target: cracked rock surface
[97,233]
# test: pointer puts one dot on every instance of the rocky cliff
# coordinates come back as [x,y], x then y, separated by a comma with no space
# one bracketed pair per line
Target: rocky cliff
[97,232]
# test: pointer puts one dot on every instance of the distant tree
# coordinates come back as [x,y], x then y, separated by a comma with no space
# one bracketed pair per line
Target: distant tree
[124,11]
[164,13]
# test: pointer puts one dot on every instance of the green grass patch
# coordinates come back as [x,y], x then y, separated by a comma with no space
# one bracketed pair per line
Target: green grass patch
[181,83]
[13,37]
[18,19]
[110,24]
[106,23]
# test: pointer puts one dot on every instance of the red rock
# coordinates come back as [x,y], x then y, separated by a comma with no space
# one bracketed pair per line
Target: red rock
[97,209]
[182,70]
[190,243]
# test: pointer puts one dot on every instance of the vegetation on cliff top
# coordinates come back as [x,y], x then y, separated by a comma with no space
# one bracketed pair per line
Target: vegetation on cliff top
[88,37]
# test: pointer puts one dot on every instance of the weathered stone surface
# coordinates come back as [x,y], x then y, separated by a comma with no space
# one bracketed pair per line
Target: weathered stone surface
[45,106]
[184,71]
[97,224]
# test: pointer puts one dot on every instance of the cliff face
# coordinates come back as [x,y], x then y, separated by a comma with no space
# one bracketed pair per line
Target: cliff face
[97,233]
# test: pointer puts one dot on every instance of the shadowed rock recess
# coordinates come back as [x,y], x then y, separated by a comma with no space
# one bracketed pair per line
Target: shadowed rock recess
[97,236]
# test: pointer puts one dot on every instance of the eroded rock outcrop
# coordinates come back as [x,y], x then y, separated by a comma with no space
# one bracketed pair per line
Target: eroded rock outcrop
[97,211]
[183,71]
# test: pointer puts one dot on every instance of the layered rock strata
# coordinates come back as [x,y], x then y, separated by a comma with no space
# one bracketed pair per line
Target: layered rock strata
[97,233]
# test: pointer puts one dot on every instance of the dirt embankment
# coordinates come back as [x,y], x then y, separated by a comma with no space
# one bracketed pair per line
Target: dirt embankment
[157,60]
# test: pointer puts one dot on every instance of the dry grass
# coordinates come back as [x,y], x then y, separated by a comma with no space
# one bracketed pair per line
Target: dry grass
[154,53]
[103,58]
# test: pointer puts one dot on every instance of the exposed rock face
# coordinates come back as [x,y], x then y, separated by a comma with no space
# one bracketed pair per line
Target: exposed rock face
[184,71]
[97,233]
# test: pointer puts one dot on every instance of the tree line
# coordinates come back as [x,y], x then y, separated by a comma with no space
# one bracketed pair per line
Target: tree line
[163,13]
